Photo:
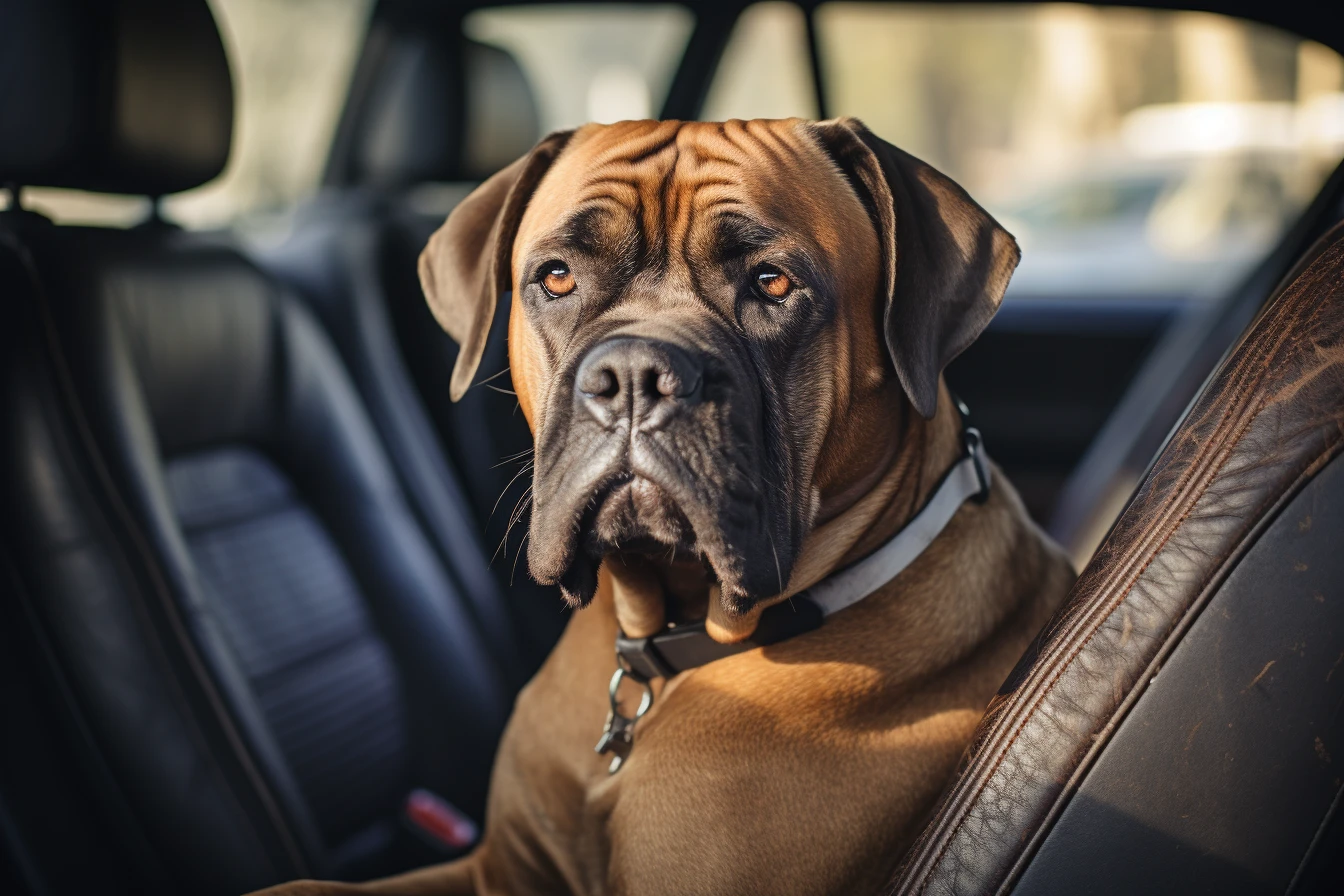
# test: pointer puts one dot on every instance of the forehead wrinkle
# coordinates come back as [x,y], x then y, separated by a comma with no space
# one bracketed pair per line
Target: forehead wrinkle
[585,227]
[698,180]
[630,143]
[733,234]
[786,152]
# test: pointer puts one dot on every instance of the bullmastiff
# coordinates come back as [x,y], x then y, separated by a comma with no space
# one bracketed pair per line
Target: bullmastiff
[728,340]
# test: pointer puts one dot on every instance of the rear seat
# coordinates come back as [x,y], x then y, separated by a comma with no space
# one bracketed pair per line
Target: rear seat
[254,635]
[407,151]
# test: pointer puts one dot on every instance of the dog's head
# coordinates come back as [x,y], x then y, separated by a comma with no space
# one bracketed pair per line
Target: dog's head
[716,331]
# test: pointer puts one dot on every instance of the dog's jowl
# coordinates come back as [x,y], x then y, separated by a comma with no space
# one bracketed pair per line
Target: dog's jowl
[728,340]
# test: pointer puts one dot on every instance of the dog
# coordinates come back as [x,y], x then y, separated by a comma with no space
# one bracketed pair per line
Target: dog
[728,340]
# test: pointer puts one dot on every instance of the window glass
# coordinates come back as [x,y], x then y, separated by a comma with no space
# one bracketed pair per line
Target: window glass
[291,62]
[766,69]
[588,62]
[1134,153]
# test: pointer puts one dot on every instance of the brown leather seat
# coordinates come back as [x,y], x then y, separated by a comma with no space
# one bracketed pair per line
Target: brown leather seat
[1179,725]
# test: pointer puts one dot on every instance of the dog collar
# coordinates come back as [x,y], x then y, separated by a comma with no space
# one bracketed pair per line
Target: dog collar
[679,648]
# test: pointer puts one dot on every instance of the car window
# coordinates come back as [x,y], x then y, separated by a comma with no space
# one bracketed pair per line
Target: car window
[1134,153]
[766,68]
[291,62]
[586,62]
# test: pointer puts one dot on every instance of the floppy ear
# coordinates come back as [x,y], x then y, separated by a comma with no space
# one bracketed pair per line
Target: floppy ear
[945,261]
[465,267]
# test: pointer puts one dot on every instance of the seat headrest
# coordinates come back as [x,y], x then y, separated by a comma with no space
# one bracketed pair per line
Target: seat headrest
[115,96]
[412,127]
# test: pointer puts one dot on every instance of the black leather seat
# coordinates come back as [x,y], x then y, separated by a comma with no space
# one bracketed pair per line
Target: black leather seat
[432,113]
[1177,727]
[240,642]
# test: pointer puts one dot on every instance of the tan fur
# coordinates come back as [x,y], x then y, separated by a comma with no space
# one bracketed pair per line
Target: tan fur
[808,766]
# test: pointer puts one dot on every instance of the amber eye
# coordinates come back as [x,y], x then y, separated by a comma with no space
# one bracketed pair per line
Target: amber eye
[558,280]
[773,284]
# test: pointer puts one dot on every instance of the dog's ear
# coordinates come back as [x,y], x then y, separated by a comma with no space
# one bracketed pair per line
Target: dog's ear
[465,267]
[945,261]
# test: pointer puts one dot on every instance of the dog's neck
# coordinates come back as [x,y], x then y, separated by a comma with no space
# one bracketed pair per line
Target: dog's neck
[852,526]
[852,523]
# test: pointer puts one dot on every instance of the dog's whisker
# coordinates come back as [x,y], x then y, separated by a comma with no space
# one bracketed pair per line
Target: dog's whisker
[517,455]
[526,469]
[500,390]
[513,520]
[493,376]
[500,547]
[514,571]
[779,576]
[519,508]
[503,463]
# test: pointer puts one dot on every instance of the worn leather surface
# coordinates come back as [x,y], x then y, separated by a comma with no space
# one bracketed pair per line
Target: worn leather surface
[132,96]
[1219,778]
[1269,419]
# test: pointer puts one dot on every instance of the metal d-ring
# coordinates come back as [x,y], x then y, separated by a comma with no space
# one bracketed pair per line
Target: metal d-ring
[618,737]
[644,702]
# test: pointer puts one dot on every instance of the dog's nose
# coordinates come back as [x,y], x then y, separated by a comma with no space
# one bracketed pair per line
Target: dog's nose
[643,380]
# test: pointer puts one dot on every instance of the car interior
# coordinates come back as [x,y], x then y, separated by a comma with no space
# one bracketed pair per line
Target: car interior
[262,612]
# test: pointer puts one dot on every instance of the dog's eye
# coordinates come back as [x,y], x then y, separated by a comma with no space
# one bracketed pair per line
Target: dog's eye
[773,284]
[557,279]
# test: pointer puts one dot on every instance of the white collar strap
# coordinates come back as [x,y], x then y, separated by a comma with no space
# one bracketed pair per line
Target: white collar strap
[968,479]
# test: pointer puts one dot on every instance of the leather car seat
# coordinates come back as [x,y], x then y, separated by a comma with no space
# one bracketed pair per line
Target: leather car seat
[247,647]
[430,115]
[1177,726]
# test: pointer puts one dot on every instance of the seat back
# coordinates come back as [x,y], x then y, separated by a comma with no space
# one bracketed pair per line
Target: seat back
[1175,726]
[432,114]
[251,644]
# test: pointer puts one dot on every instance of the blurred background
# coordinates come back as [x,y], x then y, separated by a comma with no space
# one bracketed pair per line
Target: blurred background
[1134,153]
[1148,162]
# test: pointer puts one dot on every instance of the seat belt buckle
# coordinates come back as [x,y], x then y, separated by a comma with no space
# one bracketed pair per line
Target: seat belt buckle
[439,822]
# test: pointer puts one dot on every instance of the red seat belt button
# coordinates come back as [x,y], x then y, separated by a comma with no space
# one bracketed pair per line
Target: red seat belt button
[440,820]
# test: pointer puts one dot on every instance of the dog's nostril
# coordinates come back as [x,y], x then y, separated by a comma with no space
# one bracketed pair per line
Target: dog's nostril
[667,384]
[608,384]
[600,382]
[672,384]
